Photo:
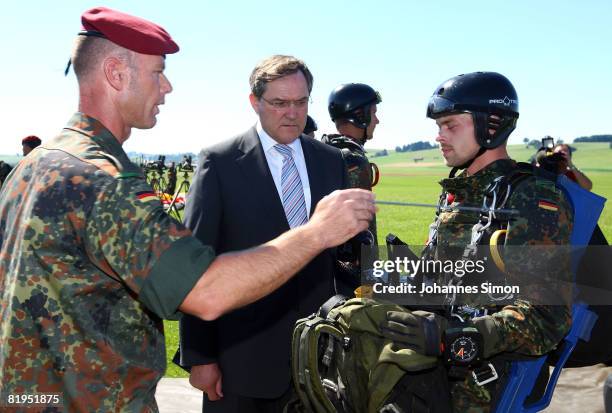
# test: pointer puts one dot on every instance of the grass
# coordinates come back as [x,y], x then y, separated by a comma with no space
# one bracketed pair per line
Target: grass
[172,339]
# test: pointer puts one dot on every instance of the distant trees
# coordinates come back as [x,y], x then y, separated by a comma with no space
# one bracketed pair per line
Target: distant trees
[535,143]
[594,138]
[177,158]
[380,153]
[416,146]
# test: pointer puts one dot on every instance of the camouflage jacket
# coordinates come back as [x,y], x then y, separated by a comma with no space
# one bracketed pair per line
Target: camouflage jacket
[545,218]
[89,265]
[357,163]
[358,167]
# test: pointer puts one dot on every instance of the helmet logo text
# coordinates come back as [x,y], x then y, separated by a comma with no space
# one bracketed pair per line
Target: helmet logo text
[506,101]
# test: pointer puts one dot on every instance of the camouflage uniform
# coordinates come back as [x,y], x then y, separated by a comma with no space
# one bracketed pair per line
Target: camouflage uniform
[358,166]
[523,328]
[89,265]
[351,261]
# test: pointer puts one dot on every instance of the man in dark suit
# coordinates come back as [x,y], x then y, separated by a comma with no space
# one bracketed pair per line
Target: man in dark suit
[247,191]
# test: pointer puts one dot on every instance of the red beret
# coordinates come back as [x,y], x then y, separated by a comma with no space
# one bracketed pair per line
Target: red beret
[128,31]
[31,140]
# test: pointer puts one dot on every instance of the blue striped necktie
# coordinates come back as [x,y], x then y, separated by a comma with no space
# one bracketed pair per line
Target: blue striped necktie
[293,193]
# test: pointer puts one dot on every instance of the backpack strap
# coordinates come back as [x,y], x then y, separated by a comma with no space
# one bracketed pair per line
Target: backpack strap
[321,394]
[330,304]
[316,394]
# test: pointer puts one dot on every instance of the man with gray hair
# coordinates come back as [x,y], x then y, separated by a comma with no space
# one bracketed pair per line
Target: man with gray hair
[89,261]
[246,191]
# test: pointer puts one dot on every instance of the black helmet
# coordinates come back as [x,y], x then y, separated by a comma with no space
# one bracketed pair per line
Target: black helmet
[352,102]
[311,125]
[488,96]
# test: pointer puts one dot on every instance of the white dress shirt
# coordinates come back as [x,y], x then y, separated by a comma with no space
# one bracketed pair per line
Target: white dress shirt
[275,163]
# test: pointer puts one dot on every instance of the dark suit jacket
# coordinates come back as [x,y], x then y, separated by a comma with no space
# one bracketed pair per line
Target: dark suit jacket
[233,204]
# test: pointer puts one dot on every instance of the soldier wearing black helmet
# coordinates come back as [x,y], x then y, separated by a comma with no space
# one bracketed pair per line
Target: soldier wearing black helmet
[352,107]
[484,102]
[311,127]
[475,114]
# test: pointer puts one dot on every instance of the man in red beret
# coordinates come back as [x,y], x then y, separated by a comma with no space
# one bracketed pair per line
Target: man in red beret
[89,262]
[29,143]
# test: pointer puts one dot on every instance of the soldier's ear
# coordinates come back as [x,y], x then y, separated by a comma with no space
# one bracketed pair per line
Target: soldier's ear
[115,72]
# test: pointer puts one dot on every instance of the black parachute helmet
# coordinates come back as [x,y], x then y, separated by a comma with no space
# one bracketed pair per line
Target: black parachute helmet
[488,96]
[311,125]
[352,102]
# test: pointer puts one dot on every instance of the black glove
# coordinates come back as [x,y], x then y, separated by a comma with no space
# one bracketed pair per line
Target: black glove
[419,330]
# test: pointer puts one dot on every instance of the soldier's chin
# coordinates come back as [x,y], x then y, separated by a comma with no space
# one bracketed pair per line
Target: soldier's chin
[148,124]
[447,161]
[450,162]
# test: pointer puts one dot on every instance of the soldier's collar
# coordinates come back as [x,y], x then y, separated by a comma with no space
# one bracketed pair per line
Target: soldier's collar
[95,130]
[462,182]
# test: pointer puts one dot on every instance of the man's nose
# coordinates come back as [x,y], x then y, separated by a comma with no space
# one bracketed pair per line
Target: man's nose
[166,86]
[292,111]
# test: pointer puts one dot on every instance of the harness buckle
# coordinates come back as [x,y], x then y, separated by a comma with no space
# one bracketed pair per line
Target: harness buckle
[485,374]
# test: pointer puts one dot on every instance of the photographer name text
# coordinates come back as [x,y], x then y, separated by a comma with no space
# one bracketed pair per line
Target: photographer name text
[425,288]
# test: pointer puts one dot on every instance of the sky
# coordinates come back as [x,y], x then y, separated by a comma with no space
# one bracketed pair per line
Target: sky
[558,55]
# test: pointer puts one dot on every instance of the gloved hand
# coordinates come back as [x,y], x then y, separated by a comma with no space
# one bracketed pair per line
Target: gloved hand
[419,330]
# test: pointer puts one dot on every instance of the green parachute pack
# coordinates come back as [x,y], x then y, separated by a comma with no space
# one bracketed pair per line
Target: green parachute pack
[342,363]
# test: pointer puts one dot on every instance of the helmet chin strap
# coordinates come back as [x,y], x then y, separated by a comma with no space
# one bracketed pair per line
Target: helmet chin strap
[481,127]
[365,136]
[367,120]
[363,139]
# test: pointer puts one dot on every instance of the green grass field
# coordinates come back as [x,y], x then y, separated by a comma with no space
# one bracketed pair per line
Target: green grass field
[403,179]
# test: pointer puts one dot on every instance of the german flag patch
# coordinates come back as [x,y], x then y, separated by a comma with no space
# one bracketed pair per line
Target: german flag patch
[146,196]
[547,205]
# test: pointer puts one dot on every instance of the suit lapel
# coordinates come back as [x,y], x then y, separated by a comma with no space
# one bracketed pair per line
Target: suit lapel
[256,173]
[315,172]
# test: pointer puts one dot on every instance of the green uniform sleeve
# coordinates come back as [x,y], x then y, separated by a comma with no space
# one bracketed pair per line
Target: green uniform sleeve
[132,239]
[526,326]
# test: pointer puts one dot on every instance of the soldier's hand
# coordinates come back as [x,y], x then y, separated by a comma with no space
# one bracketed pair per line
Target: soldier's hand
[207,377]
[419,330]
[342,215]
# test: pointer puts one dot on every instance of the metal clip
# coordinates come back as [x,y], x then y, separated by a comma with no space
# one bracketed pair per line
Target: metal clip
[490,375]
[477,231]
[330,385]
